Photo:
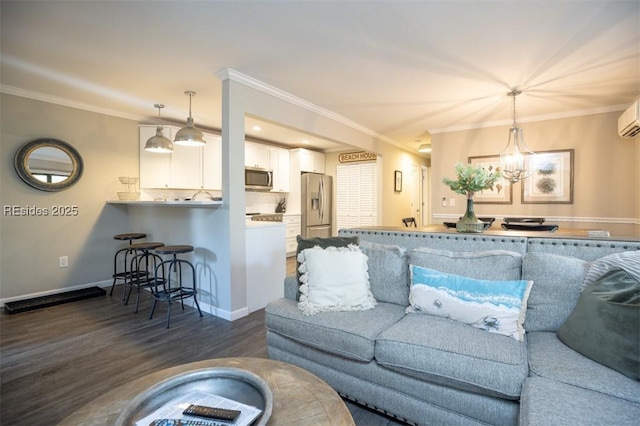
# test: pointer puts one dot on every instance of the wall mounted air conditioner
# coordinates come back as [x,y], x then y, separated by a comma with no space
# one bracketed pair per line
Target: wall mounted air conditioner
[629,121]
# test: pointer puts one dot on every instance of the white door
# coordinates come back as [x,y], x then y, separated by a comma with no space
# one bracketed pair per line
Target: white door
[425,197]
[416,197]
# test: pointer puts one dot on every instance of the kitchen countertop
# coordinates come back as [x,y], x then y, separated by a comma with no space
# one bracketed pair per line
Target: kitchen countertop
[172,203]
[262,224]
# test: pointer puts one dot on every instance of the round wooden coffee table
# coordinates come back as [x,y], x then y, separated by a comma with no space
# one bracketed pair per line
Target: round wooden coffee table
[299,397]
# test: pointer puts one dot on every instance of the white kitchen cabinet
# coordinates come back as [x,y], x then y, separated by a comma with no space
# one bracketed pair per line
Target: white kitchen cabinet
[256,155]
[279,163]
[186,167]
[155,168]
[212,162]
[311,161]
[293,223]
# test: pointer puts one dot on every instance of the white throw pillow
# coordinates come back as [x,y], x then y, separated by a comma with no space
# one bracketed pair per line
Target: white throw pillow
[334,279]
[494,306]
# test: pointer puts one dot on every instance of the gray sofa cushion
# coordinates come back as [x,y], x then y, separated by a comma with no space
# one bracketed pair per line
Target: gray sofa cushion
[407,397]
[349,334]
[552,359]
[555,291]
[388,272]
[545,402]
[291,287]
[454,354]
[481,265]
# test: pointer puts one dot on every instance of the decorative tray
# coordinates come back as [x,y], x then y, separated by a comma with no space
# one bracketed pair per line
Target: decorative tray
[233,383]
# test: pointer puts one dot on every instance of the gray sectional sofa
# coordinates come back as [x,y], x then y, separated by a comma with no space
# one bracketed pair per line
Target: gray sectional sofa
[431,370]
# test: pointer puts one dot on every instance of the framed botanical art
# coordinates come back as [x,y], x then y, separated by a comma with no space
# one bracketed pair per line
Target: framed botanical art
[502,191]
[397,183]
[551,178]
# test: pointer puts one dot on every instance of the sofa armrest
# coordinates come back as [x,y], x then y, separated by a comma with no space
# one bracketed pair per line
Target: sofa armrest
[291,287]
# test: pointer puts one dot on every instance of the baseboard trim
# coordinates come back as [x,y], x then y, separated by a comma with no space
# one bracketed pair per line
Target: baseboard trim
[53,299]
[102,284]
[205,307]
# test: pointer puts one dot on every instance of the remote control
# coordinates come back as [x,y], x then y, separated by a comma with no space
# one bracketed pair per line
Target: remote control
[211,413]
[180,422]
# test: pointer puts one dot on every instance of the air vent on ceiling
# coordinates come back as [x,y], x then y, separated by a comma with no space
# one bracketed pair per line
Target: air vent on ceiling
[629,121]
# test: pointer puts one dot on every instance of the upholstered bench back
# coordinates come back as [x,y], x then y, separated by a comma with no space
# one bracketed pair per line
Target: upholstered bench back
[586,249]
[442,241]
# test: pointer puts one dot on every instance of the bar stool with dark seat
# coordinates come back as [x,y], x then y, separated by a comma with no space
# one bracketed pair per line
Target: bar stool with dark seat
[408,221]
[168,291]
[124,252]
[142,267]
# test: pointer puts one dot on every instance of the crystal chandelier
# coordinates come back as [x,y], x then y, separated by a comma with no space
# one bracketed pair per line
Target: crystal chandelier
[516,155]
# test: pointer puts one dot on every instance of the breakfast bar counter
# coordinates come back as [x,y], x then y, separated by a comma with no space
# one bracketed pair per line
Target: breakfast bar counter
[203,225]
[171,203]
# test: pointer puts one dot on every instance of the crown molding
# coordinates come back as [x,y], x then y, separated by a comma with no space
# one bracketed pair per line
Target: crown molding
[231,74]
[30,94]
[534,118]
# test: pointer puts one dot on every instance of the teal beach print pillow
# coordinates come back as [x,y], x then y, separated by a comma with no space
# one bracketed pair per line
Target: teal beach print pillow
[494,306]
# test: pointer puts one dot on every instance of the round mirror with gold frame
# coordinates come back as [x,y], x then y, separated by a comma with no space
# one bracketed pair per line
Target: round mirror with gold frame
[48,164]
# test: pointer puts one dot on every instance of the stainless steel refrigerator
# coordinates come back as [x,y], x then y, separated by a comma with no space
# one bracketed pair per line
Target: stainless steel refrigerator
[316,190]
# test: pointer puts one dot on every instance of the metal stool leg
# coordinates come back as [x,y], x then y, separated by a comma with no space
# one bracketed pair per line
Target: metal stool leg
[156,288]
[115,269]
[143,265]
[124,275]
[170,292]
[195,299]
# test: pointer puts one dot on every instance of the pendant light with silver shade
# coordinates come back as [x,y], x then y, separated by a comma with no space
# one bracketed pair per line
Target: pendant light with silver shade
[189,135]
[513,160]
[159,143]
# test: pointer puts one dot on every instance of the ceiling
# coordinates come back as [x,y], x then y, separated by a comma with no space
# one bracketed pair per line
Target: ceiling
[403,69]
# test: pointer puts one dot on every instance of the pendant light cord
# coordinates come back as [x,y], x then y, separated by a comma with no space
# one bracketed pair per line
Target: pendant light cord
[190,93]
[514,92]
[159,106]
[515,124]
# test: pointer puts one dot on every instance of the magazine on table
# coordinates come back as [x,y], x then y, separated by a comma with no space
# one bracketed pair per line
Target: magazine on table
[174,410]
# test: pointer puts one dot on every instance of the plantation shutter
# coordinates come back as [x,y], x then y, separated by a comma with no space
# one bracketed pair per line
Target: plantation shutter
[356,195]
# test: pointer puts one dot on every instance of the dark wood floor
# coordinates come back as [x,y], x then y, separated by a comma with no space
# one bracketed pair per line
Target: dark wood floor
[55,360]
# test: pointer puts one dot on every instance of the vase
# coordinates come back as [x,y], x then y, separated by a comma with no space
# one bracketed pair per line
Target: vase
[469,222]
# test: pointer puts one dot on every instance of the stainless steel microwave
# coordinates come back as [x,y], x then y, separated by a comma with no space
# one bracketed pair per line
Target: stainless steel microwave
[256,179]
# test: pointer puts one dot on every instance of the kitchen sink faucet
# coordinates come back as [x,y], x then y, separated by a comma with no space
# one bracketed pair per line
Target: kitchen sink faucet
[202,191]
